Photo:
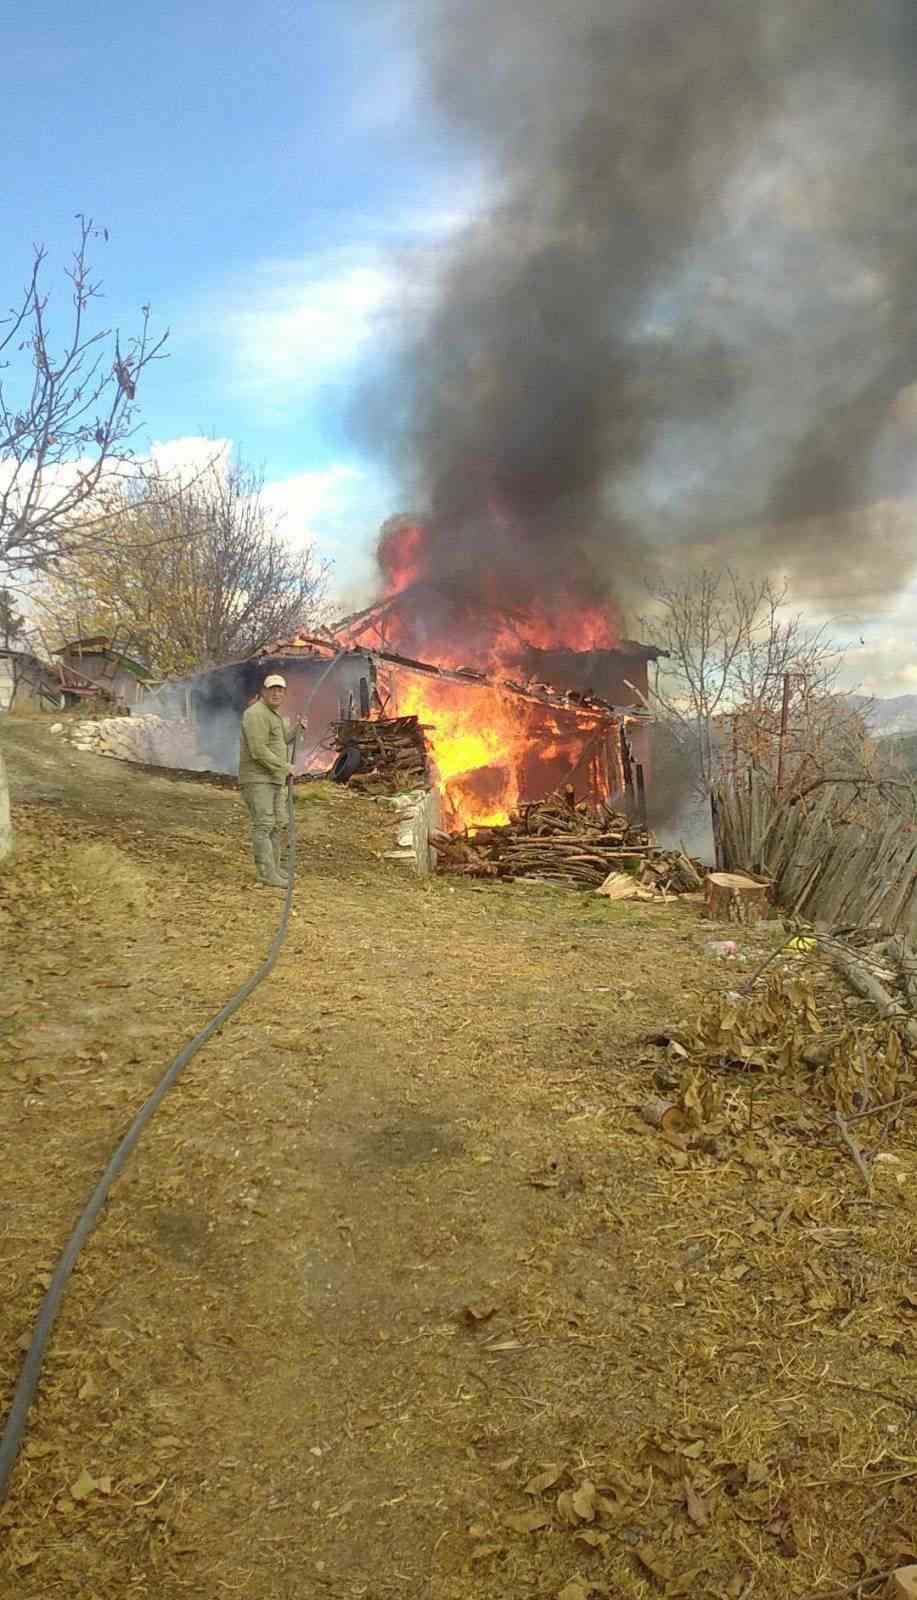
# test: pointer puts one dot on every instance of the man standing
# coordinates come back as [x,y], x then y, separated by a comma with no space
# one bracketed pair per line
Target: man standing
[264,772]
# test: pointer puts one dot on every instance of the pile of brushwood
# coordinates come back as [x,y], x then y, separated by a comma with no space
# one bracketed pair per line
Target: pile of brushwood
[853,1052]
[558,840]
[386,754]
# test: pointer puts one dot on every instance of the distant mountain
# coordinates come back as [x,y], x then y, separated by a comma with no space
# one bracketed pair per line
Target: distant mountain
[887,717]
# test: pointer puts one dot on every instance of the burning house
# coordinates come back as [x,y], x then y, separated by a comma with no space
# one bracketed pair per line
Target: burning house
[493,742]
[489,706]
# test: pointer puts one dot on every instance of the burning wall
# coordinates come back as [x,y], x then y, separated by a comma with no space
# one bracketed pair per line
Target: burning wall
[494,742]
[494,746]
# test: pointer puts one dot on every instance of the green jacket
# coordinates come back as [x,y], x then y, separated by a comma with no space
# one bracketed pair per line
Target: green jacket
[264,755]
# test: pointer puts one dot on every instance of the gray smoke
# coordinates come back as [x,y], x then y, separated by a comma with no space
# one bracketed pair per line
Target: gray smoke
[688,321]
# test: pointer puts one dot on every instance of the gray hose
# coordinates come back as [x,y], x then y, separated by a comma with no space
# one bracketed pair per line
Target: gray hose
[24,1393]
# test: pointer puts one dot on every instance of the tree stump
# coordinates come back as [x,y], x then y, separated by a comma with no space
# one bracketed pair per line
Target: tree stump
[734,897]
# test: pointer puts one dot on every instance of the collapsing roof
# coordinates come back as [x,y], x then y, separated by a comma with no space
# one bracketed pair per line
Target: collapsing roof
[359,623]
[575,701]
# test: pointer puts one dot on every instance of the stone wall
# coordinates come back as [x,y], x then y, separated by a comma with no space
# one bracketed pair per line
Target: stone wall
[418,818]
[150,740]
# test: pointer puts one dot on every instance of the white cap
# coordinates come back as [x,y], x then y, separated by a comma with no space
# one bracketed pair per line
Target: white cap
[274,682]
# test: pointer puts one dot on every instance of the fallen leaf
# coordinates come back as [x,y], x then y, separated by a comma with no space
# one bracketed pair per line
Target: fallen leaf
[693,1450]
[24,1558]
[663,1458]
[565,1509]
[655,1562]
[84,1486]
[544,1480]
[686,1583]
[88,1389]
[695,1506]
[483,1550]
[475,1315]
[576,1589]
[527,1521]
[592,1538]
[584,1501]
[756,1472]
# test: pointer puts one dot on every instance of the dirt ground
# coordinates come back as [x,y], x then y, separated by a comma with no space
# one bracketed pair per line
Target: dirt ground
[399,1297]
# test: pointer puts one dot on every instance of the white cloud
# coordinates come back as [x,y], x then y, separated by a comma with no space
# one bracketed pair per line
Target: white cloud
[287,325]
[294,323]
[190,454]
[884,665]
[337,507]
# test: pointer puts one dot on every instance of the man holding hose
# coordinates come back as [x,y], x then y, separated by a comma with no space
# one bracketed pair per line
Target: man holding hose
[265,748]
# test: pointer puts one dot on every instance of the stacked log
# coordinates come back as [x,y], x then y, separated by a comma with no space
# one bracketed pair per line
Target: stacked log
[559,841]
[392,750]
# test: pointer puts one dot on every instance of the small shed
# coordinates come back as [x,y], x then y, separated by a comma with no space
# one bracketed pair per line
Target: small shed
[112,667]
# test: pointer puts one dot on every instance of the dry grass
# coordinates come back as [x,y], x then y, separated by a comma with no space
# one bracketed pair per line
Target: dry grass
[100,872]
[401,1297]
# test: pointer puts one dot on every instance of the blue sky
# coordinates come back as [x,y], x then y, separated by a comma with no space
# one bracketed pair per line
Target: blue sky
[256,166]
[260,168]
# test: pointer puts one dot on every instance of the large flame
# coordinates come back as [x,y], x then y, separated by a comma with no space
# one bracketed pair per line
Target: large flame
[492,749]
[480,626]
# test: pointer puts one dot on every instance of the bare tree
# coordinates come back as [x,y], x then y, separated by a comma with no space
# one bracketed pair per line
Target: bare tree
[67,413]
[188,574]
[744,684]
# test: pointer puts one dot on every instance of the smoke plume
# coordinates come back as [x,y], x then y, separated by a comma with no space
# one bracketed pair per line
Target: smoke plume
[687,322]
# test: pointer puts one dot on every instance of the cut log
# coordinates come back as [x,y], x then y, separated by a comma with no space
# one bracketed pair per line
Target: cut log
[902,1585]
[669,1119]
[733,897]
[663,1114]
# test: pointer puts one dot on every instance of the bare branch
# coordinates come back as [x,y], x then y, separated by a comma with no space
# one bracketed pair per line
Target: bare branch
[67,414]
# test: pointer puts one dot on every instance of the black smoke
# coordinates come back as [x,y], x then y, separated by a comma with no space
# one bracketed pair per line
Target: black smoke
[685,322]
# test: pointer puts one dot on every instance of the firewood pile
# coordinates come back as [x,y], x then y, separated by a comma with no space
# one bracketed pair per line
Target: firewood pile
[392,751]
[559,841]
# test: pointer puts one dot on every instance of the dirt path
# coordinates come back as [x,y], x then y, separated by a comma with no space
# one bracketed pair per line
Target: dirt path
[397,1244]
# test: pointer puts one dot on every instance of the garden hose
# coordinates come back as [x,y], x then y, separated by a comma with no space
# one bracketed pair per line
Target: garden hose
[24,1393]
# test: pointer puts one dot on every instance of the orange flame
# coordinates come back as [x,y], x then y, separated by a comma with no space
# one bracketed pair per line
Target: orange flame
[492,749]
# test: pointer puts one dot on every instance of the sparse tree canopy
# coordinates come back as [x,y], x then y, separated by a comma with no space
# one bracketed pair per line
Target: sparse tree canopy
[187,575]
[67,413]
[733,654]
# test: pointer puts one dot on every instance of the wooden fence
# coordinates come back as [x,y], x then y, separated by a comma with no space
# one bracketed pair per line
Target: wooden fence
[828,870]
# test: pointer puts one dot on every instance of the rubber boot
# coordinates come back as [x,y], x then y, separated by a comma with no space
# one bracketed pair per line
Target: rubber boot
[280,859]
[268,876]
